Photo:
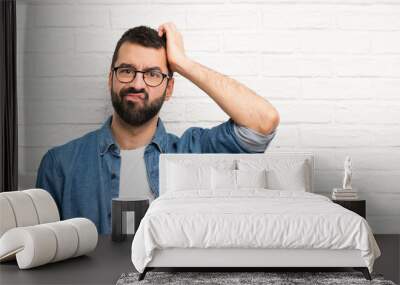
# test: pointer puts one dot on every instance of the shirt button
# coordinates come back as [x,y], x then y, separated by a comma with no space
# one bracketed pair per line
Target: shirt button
[113,176]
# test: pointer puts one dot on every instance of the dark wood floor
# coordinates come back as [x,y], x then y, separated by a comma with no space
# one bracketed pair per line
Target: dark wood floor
[110,260]
[388,263]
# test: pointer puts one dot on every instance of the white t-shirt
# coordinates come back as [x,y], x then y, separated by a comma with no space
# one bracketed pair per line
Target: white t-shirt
[133,180]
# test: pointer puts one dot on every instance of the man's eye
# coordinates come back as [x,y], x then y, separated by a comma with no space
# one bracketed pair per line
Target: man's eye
[126,71]
[154,73]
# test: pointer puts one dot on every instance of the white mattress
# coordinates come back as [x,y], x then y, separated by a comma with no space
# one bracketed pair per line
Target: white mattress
[252,218]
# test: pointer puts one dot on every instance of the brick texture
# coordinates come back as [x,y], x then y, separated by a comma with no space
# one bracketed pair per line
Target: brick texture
[331,67]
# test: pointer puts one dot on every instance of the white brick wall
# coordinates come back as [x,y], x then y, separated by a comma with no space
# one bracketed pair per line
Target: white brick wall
[331,67]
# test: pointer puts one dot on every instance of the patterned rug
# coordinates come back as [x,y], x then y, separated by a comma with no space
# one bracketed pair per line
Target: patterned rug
[242,278]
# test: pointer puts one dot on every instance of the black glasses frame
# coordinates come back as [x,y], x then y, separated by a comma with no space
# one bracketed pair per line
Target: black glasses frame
[115,69]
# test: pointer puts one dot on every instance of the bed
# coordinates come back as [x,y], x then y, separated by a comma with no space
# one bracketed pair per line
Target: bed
[245,211]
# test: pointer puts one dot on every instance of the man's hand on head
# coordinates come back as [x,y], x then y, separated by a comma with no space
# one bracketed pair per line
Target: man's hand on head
[175,49]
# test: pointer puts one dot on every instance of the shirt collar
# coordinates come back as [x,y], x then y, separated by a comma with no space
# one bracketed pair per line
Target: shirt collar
[159,138]
[107,141]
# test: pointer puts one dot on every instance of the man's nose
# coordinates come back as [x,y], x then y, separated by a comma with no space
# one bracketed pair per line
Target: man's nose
[138,81]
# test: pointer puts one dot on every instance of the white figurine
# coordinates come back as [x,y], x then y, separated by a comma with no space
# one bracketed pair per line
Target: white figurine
[347,174]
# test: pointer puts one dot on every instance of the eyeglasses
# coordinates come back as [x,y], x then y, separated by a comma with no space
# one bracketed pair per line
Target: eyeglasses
[152,78]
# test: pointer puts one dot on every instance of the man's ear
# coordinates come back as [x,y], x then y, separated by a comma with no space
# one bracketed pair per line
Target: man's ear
[170,89]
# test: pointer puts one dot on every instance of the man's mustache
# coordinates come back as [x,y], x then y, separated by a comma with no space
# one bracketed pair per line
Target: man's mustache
[132,90]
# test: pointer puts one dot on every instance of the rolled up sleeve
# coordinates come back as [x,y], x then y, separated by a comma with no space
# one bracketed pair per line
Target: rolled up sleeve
[227,137]
[251,140]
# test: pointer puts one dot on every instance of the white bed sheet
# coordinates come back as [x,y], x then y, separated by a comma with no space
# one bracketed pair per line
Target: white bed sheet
[250,218]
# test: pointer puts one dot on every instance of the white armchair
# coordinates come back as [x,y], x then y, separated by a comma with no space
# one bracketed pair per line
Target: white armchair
[31,230]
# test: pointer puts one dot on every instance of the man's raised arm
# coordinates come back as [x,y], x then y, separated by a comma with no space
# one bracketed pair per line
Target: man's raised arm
[243,105]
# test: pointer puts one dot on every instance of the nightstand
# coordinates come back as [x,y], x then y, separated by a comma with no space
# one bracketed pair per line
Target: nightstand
[357,206]
[120,207]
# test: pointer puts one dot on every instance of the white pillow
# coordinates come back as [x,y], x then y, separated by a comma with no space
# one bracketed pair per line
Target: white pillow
[251,178]
[183,177]
[282,174]
[223,179]
[292,179]
[231,180]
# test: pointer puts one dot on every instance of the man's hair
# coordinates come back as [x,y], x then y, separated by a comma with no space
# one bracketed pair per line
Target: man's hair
[144,36]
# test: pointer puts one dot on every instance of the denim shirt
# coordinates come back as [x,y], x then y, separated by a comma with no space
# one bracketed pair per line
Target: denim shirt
[83,175]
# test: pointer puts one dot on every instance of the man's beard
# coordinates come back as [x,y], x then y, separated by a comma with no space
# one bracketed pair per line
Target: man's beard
[131,112]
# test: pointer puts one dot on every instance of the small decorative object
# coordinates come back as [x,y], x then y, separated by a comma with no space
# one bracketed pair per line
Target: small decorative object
[347,173]
[346,192]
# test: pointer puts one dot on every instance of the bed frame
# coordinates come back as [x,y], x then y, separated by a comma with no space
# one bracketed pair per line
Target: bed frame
[248,259]
[262,259]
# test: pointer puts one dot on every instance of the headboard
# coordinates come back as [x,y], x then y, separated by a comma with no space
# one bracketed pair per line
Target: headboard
[218,158]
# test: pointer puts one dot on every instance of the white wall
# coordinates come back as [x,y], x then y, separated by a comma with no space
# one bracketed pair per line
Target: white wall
[332,69]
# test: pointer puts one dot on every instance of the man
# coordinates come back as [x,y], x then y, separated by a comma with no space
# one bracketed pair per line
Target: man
[121,158]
